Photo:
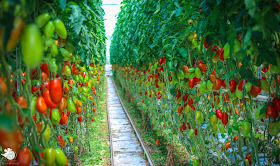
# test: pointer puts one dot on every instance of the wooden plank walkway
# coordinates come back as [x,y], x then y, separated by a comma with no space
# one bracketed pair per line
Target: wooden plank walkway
[125,146]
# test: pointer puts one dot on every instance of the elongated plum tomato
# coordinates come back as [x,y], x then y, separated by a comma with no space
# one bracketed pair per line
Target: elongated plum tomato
[42,19]
[60,29]
[15,34]
[56,90]
[31,46]
[48,100]
[41,105]
[24,157]
[219,113]
[3,87]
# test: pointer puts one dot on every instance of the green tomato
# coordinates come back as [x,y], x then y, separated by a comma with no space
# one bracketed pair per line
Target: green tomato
[276,68]
[85,89]
[248,87]
[273,128]
[71,106]
[191,132]
[76,149]
[47,134]
[54,50]
[60,29]
[33,105]
[180,75]
[49,30]
[53,65]
[77,78]
[222,128]
[191,70]
[245,128]
[189,116]
[215,127]
[209,85]
[264,85]
[42,19]
[31,46]
[64,53]
[49,42]
[55,116]
[203,87]
[238,93]
[83,69]
[60,158]
[201,119]
[50,157]
[67,71]
[81,78]
[86,79]
[197,115]
[226,51]
[232,95]
[198,73]
[214,119]
[192,75]
[187,109]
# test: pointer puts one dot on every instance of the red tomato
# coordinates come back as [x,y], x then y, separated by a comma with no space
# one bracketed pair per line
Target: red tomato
[41,105]
[206,45]
[223,83]
[45,69]
[157,142]
[63,119]
[44,76]
[255,90]
[48,100]
[217,84]
[227,145]
[191,83]
[92,119]
[276,104]
[56,90]
[219,113]
[232,85]
[61,141]
[248,157]
[80,118]
[271,112]
[195,131]
[10,139]
[24,157]
[225,118]
[62,104]
[68,112]
[84,74]
[202,67]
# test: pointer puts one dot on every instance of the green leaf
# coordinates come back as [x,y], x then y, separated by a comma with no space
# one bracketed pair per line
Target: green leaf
[76,18]
[183,52]
[263,110]
[62,4]
[230,73]
[229,130]
[251,6]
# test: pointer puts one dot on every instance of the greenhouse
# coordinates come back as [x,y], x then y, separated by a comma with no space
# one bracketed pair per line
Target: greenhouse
[139,82]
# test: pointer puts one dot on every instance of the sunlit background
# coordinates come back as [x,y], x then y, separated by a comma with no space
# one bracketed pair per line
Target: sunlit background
[111,8]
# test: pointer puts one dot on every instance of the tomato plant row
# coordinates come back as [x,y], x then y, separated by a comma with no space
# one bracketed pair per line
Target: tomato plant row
[51,71]
[197,69]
